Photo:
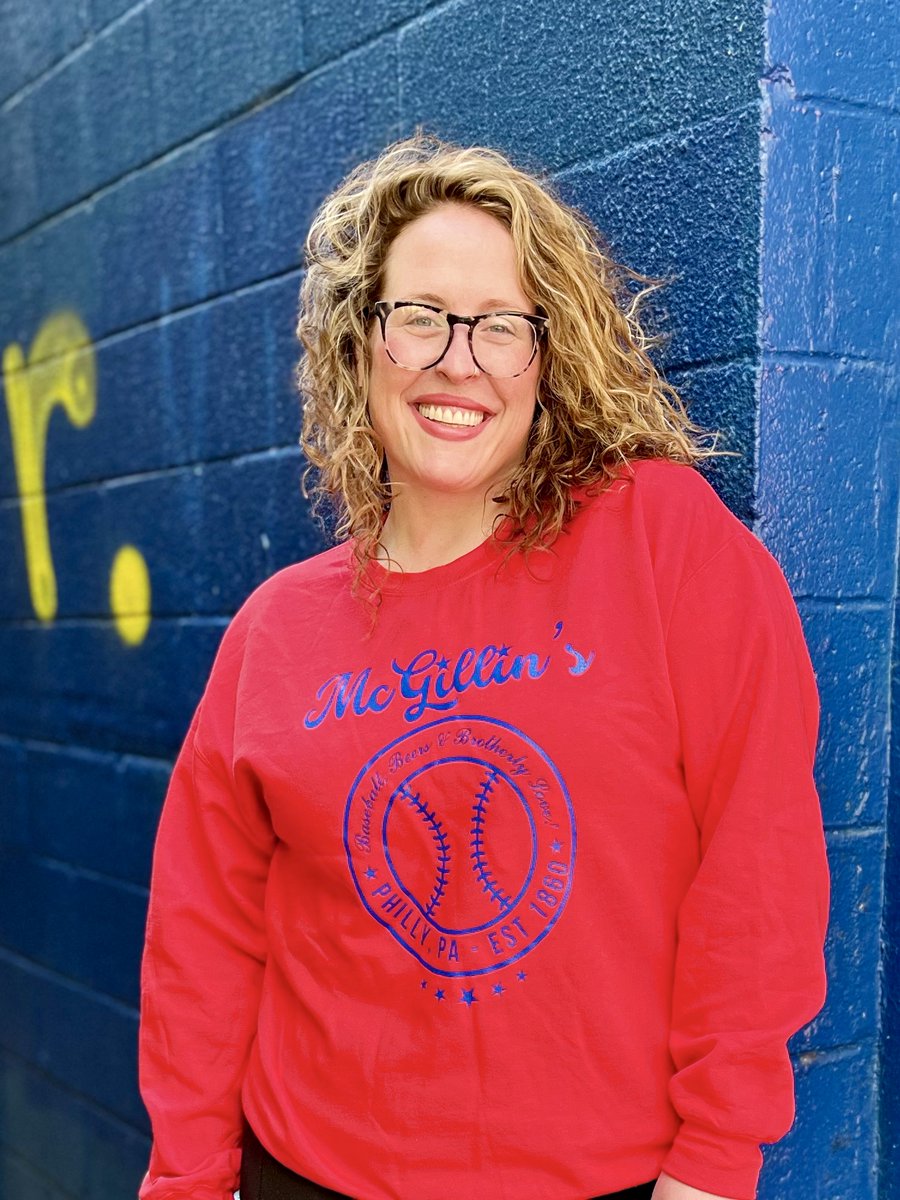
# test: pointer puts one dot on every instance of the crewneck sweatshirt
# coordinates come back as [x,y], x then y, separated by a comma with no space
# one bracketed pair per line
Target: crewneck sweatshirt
[513,889]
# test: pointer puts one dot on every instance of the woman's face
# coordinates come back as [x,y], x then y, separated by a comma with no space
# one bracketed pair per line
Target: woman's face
[460,259]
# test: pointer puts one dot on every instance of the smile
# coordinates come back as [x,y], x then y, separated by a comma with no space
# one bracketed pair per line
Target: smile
[451,416]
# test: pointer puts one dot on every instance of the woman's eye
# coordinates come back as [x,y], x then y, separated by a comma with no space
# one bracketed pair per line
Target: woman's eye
[417,318]
[498,328]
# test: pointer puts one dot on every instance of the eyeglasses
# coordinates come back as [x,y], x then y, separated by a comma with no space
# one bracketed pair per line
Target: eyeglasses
[417,336]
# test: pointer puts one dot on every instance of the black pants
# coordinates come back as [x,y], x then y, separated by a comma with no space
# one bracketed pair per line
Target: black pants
[264,1178]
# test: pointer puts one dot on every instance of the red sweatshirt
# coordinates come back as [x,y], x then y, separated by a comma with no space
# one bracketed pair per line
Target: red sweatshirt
[516,895]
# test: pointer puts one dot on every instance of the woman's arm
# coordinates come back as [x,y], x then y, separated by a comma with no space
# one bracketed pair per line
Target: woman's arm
[205,954]
[668,1188]
[749,969]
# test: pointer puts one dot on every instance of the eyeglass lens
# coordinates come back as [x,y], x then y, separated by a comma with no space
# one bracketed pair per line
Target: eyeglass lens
[416,338]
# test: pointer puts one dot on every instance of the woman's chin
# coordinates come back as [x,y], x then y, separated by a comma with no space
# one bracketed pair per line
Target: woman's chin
[455,489]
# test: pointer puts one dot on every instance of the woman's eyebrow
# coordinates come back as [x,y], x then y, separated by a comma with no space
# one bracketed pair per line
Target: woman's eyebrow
[492,305]
[429,298]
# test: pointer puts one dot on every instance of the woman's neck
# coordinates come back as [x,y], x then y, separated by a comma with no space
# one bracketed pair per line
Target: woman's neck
[419,534]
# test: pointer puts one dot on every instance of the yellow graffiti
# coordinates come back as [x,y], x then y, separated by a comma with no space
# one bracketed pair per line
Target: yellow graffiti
[61,371]
[129,595]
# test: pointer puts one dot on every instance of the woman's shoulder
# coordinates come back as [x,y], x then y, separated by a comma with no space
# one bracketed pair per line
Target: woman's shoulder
[675,509]
[668,515]
[660,481]
[319,570]
[669,493]
[282,613]
[301,586]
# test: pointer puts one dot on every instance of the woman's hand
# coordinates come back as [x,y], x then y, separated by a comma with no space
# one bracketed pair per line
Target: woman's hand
[668,1188]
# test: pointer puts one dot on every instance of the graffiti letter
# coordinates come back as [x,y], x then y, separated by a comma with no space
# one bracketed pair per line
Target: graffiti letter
[61,371]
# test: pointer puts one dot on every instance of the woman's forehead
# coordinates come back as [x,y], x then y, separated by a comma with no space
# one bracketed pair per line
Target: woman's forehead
[455,248]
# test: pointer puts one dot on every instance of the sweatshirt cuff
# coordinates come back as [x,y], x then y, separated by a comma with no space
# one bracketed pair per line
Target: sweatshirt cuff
[714,1162]
[189,1187]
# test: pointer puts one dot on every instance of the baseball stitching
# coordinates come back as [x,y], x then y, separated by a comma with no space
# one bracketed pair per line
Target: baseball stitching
[479,859]
[443,845]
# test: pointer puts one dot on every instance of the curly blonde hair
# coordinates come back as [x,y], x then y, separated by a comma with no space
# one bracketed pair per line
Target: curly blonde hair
[601,401]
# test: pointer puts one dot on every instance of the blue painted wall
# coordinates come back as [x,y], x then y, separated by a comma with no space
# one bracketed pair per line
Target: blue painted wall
[828,458]
[160,163]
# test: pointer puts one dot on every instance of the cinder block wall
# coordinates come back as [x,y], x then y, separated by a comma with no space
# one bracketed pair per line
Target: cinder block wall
[829,468]
[161,163]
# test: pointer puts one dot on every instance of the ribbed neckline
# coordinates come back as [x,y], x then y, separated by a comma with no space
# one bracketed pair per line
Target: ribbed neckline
[488,553]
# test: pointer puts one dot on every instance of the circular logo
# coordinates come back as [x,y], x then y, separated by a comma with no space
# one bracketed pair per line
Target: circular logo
[460,839]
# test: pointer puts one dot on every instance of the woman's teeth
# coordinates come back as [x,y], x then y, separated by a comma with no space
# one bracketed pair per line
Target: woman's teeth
[451,416]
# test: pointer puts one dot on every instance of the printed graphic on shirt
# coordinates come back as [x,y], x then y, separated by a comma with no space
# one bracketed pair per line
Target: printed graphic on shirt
[432,681]
[460,837]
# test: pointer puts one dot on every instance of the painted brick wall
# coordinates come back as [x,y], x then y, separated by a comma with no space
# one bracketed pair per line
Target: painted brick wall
[161,161]
[828,454]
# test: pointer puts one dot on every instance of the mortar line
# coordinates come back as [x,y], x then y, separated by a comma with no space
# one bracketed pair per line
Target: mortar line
[107,621]
[841,104]
[51,975]
[90,1102]
[658,139]
[193,466]
[78,871]
[34,1170]
[86,753]
[192,141]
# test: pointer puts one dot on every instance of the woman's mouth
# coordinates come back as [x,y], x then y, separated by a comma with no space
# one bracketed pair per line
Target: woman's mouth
[451,416]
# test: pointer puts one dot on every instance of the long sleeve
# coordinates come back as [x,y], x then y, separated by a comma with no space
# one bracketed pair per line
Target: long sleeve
[749,967]
[203,960]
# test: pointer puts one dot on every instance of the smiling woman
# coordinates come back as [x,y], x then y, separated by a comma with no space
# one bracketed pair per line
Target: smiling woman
[492,864]
[463,230]
[452,434]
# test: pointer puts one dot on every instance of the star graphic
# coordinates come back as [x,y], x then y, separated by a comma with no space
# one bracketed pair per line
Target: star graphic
[499,989]
[443,665]
[556,847]
[439,994]
[503,651]
[521,975]
[424,983]
[371,873]
[468,997]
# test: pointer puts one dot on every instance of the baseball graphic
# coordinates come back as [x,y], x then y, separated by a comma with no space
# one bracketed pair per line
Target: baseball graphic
[461,841]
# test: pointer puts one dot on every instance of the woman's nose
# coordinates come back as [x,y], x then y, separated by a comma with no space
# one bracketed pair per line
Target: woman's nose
[458,362]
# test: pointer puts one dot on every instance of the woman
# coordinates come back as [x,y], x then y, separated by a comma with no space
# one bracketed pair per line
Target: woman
[492,865]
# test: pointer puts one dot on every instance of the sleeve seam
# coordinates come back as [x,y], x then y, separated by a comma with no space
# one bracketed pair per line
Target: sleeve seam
[217,770]
[693,575]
